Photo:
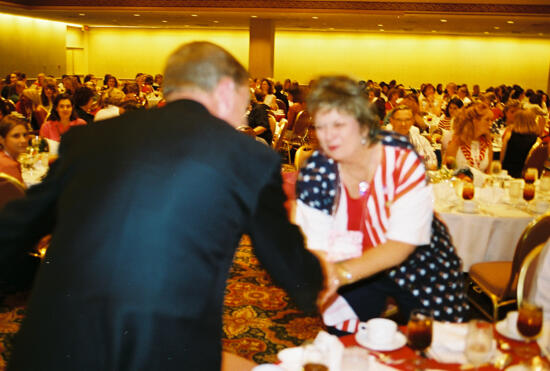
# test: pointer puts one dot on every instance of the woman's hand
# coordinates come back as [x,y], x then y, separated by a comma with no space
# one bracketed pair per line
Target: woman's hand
[332,283]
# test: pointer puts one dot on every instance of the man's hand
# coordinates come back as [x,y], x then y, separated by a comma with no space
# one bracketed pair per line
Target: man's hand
[332,283]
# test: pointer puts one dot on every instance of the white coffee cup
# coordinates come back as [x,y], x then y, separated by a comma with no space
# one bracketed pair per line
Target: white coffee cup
[379,330]
[512,322]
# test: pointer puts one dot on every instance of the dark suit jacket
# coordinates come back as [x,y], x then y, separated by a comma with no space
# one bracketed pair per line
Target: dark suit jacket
[146,211]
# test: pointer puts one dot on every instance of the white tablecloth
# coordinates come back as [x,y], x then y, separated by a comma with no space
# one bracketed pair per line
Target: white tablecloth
[488,234]
[480,238]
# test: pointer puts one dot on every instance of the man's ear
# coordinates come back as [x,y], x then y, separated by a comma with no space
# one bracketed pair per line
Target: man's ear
[224,98]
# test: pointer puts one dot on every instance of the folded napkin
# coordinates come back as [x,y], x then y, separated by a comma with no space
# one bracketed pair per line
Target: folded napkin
[448,342]
[490,195]
[479,177]
[326,349]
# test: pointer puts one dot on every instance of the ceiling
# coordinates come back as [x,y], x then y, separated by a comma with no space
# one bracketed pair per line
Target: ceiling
[527,18]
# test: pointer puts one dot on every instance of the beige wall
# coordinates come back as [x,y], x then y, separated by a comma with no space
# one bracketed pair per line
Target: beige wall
[31,45]
[413,60]
[124,52]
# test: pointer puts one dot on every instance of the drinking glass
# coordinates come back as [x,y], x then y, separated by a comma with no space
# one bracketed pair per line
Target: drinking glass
[530,320]
[468,191]
[450,163]
[479,342]
[530,175]
[419,333]
[514,192]
[544,183]
[496,167]
[528,191]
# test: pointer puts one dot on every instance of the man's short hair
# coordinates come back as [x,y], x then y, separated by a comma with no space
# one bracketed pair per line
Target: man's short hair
[201,65]
[401,107]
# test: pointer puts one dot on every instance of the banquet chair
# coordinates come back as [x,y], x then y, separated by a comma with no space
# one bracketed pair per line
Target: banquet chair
[537,156]
[297,137]
[282,105]
[527,274]
[10,189]
[279,133]
[302,154]
[497,280]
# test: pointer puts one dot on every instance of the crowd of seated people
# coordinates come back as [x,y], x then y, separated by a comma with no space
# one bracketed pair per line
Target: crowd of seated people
[459,129]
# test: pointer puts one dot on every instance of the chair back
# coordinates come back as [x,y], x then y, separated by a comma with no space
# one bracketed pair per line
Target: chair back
[10,189]
[302,154]
[537,232]
[301,124]
[537,156]
[279,134]
[528,274]
[281,105]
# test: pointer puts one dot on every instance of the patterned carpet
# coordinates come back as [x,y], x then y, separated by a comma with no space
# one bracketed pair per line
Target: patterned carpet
[258,318]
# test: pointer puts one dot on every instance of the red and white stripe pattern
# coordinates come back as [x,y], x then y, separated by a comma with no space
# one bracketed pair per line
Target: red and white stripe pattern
[401,171]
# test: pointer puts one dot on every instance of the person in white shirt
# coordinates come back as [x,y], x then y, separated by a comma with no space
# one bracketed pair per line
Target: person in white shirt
[402,119]
[113,98]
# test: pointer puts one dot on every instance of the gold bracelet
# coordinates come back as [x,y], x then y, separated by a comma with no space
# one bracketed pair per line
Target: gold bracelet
[343,274]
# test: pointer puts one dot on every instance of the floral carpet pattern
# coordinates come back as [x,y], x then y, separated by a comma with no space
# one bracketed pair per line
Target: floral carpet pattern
[259,319]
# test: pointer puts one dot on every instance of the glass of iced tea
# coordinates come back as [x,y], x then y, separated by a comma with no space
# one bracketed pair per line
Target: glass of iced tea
[530,175]
[529,320]
[468,191]
[419,332]
[496,167]
[528,191]
[450,162]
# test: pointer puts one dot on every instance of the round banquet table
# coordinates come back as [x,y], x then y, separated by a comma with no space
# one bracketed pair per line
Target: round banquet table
[409,355]
[480,237]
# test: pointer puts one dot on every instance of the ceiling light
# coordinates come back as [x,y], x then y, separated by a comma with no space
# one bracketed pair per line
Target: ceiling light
[332,29]
[434,31]
[486,32]
[443,20]
[137,15]
[510,22]
[380,25]
[314,17]
[381,30]
[496,28]
[216,21]
[82,14]
[194,15]
[164,21]
[253,16]
[541,34]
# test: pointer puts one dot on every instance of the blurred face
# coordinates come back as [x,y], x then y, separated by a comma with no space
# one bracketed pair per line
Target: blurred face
[64,109]
[48,91]
[111,82]
[453,110]
[15,142]
[265,87]
[430,91]
[235,116]
[339,134]
[13,78]
[25,101]
[483,125]
[402,121]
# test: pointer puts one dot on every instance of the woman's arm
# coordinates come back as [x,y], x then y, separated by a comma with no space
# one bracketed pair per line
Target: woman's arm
[375,260]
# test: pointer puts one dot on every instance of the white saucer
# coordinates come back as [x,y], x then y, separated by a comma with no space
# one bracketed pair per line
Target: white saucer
[502,328]
[399,340]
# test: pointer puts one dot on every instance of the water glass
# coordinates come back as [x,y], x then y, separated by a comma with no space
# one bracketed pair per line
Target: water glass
[515,190]
[479,342]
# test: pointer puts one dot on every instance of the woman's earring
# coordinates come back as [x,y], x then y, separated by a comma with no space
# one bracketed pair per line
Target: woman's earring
[363,141]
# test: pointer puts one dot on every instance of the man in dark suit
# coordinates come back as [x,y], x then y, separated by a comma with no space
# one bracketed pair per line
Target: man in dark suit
[146,211]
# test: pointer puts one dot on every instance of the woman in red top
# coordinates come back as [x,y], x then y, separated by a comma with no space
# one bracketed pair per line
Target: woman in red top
[61,119]
[13,141]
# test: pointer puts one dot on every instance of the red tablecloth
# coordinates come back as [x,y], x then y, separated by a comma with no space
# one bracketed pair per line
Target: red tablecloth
[408,354]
